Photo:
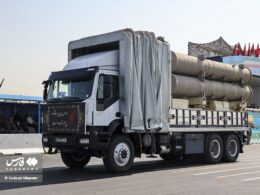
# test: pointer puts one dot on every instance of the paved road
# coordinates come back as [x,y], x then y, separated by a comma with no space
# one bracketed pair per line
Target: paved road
[148,176]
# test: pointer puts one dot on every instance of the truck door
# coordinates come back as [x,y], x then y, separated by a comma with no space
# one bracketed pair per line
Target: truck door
[107,100]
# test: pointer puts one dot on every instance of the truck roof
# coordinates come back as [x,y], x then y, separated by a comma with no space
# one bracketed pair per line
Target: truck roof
[99,59]
[102,42]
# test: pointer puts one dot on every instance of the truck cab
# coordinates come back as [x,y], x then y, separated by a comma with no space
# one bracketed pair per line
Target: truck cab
[82,98]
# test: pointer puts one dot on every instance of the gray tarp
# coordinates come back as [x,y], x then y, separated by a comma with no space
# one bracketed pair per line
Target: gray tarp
[146,85]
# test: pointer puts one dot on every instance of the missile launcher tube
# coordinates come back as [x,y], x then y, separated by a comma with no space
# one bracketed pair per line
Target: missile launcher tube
[192,66]
[184,86]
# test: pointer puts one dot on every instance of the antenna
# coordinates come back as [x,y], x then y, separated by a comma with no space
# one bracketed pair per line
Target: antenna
[2,82]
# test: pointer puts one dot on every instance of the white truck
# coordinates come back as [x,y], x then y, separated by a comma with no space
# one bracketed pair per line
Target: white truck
[117,98]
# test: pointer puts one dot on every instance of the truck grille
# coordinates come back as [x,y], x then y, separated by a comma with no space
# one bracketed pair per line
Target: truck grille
[64,118]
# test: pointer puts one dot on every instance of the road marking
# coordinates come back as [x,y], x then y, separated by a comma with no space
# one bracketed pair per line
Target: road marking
[247,158]
[251,179]
[205,167]
[237,174]
[225,170]
[250,160]
[52,157]
[244,159]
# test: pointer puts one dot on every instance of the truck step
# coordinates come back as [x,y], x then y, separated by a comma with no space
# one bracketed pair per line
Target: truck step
[151,156]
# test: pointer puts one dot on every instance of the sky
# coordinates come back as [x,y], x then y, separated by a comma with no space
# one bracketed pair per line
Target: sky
[34,34]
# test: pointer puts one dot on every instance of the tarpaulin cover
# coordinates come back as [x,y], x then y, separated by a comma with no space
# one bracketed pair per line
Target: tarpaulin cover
[146,87]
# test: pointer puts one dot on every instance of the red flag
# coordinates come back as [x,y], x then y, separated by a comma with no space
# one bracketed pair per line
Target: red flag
[234,50]
[243,53]
[252,51]
[248,51]
[257,52]
[239,49]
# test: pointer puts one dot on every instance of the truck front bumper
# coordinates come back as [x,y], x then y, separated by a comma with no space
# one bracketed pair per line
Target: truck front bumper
[93,142]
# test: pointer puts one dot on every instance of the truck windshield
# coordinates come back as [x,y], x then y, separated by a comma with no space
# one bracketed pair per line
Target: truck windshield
[70,89]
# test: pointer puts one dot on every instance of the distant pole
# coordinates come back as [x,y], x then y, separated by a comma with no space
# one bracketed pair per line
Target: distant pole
[39,117]
[2,83]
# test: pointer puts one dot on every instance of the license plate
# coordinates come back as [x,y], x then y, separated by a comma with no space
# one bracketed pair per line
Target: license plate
[61,140]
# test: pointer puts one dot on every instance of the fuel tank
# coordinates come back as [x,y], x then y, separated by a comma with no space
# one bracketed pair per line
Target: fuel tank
[211,70]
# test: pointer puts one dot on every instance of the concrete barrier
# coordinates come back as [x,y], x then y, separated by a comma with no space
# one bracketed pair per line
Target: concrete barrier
[20,143]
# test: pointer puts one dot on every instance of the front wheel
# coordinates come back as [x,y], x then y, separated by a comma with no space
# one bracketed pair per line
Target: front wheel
[75,161]
[120,154]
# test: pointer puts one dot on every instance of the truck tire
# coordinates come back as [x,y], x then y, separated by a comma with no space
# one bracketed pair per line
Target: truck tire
[213,149]
[74,161]
[231,148]
[120,154]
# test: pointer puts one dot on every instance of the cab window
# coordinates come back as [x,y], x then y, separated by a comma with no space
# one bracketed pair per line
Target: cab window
[107,92]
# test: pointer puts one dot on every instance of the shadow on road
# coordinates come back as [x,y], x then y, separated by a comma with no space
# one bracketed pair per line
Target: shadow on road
[61,175]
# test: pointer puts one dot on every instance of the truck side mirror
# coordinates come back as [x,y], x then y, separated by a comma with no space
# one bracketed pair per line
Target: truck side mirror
[45,90]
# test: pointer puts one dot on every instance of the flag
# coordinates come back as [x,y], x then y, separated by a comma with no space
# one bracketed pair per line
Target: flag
[248,51]
[244,51]
[252,50]
[257,52]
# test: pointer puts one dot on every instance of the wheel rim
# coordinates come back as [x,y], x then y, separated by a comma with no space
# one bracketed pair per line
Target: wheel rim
[215,148]
[232,148]
[122,154]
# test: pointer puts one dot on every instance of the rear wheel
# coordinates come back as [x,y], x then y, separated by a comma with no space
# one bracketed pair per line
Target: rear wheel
[120,154]
[213,149]
[231,148]
[75,161]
